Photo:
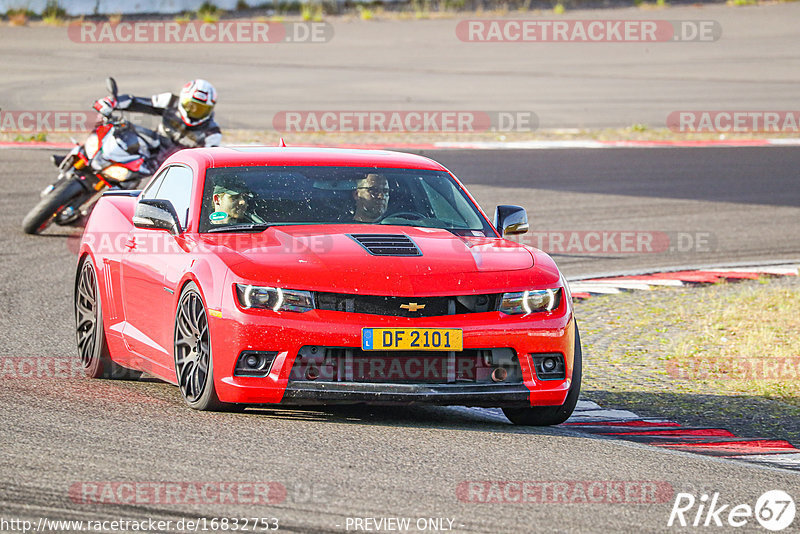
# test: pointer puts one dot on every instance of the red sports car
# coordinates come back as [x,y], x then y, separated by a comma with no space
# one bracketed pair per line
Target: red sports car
[294,276]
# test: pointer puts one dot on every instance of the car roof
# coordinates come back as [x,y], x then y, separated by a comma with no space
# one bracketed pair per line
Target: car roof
[240,156]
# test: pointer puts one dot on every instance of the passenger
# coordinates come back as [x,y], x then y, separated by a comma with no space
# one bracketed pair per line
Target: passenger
[232,199]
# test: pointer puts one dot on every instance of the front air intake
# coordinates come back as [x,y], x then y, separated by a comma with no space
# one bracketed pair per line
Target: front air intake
[386,244]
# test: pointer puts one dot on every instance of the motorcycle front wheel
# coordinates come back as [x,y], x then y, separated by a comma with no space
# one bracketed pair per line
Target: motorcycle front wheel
[51,205]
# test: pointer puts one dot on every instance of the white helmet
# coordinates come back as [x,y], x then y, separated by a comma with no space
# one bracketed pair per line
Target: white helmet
[196,102]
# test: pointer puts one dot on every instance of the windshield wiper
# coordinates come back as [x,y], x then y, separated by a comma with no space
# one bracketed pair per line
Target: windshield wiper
[251,227]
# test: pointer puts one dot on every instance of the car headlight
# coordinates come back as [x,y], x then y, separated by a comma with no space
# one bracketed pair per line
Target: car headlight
[530,301]
[116,172]
[274,298]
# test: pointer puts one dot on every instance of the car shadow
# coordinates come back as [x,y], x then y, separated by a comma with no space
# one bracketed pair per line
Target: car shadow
[438,417]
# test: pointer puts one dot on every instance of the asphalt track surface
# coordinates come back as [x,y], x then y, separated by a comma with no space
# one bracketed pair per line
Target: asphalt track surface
[335,463]
[373,462]
[406,65]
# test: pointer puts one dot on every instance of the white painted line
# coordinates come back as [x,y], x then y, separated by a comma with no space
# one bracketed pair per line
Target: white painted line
[790,460]
[519,145]
[787,142]
[750,265]
[619,415]
[622,284]
[766,270]
[653,282]
[582,287]
[663,282]
[587,405]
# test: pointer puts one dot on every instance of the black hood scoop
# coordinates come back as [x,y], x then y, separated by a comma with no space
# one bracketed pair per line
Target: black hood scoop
[387,244]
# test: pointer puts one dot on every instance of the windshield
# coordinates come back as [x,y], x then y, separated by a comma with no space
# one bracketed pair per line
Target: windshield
[282,195]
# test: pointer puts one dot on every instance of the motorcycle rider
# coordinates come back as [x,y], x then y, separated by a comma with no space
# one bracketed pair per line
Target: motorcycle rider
[187,119]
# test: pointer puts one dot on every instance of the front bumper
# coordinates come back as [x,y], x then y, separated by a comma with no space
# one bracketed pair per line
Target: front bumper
[389,394]
[287,333]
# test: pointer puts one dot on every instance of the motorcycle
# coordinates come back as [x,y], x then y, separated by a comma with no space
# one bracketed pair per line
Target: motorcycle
[117,154]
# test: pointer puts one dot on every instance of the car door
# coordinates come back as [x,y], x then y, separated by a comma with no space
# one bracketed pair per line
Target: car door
[152,256]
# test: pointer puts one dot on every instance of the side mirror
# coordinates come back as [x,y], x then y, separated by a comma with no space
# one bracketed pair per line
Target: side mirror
[111,85]
[156,214]
[510,220]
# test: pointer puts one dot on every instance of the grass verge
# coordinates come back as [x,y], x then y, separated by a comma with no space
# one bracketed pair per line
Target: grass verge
[725,355]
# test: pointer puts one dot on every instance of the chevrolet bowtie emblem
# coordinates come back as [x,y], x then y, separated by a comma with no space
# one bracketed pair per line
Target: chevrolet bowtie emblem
[412,306]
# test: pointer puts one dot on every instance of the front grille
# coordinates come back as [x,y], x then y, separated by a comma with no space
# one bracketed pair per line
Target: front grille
[336,364]
[387,244]
[392,306]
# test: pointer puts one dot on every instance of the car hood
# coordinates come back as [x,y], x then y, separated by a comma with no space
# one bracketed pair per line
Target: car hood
[329,259]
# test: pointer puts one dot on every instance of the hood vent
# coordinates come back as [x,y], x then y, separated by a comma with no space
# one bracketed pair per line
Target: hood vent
[386,244]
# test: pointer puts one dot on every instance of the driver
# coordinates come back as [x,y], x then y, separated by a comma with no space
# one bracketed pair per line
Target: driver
[372,198]
[231,200]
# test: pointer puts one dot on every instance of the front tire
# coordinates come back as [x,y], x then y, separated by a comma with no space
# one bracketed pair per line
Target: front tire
[89,332]
[50,205]
[194,367]
[553,415]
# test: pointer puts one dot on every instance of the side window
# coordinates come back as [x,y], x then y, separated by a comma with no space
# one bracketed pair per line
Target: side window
[177,188]
[152,188]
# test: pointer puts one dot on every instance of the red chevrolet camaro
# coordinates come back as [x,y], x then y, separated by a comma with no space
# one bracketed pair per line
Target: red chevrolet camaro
[298,276]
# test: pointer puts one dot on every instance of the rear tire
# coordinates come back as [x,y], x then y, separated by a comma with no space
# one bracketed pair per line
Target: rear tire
[89,332]
[553,415]
[50,205]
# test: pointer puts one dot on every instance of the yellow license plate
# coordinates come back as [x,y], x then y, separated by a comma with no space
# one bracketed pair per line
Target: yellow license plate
[412,339]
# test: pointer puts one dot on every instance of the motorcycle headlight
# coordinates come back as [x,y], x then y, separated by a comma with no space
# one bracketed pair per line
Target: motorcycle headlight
[91,146]
[274,298]
[116,172]
[540,300]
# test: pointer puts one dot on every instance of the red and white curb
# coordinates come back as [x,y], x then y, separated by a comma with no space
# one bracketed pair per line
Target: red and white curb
[622,424]
[591,418]
[498,145]
[586,288]
[709,441]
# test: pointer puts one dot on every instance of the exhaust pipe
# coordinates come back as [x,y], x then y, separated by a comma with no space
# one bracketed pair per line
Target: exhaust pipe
[312,373]
[499,374]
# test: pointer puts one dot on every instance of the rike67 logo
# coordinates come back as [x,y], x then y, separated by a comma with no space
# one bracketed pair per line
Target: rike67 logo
[774,510]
